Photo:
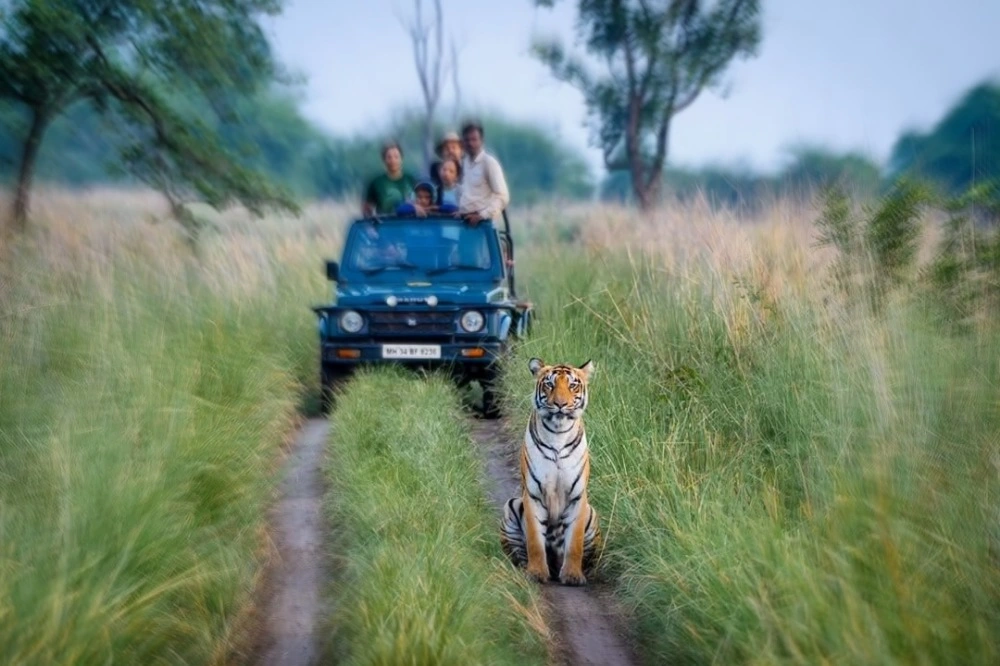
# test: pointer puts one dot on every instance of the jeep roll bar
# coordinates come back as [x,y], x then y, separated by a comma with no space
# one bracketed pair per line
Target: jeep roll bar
[509,242]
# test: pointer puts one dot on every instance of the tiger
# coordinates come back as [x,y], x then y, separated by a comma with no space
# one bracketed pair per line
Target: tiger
[551,526]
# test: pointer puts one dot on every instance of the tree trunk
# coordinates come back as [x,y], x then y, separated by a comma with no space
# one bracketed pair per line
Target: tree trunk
[633,153]
[643,196]
[26,168]
[428,139]
[654,178]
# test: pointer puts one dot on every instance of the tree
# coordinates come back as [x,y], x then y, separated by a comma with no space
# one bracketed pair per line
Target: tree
[145,65]
[657,58]
[962,150]
[432,67]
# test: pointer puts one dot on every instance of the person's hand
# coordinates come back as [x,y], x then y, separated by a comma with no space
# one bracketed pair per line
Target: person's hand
[419,210]
[473,218]
[366,209]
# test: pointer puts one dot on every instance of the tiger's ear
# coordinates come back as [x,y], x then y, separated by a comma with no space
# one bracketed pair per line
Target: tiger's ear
[535,365]
[588,369]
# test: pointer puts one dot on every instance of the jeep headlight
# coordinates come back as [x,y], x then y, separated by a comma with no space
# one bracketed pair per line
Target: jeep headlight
[351,321]
[472,321]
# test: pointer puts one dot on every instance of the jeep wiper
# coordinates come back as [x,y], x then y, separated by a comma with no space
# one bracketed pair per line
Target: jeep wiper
[379,269]
[455,267]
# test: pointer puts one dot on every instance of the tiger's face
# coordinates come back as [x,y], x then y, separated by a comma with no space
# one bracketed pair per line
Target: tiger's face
[560,391]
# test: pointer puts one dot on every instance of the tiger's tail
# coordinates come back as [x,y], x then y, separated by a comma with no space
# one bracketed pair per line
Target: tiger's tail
[512,532]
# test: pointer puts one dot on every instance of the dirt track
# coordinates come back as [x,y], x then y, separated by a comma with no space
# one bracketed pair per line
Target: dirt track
[587,631]
[295,606]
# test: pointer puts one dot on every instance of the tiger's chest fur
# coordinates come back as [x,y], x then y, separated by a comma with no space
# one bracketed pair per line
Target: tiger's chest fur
[556,481]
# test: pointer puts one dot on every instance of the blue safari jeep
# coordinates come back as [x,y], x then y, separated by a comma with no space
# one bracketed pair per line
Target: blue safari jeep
[422,292]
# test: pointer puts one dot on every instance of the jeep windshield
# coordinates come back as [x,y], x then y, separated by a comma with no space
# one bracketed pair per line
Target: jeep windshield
[397,250]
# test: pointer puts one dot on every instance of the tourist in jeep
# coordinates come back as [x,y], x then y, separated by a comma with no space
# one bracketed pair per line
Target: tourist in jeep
[449,191]
[484,188]
[448,148]
[423,201]
[387,191]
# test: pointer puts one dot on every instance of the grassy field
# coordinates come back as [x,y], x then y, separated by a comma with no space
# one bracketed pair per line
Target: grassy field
[420,574]
[784,477]
[144,396]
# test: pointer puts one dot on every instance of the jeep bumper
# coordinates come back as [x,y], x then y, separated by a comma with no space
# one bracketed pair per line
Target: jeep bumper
[474,356]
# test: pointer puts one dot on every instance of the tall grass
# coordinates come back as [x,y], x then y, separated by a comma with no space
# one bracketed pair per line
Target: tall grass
[144,394]
[782,479]
[421,579]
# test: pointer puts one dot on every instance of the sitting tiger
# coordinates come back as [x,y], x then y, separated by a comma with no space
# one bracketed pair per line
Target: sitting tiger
[551,526]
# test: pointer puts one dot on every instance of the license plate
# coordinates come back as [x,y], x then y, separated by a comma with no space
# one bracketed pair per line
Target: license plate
[411,351]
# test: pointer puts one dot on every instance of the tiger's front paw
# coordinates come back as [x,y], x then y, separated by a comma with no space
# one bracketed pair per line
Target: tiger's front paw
[540,574]
[573,578]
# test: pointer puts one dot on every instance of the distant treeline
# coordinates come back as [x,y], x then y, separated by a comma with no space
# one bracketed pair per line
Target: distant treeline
[961,149]
[273,136]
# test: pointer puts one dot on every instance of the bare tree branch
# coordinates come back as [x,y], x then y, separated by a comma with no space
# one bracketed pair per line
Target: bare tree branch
[432,65]
[455,82]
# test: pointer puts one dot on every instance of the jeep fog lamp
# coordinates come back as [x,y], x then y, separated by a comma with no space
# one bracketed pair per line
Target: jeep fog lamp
[351,321]
[432,300]
[391,301]
[472,321]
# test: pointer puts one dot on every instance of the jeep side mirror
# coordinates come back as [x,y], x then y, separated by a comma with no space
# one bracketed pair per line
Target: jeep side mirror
[332,271]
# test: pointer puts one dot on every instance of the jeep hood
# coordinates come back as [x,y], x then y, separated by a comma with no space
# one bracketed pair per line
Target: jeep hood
[417,292]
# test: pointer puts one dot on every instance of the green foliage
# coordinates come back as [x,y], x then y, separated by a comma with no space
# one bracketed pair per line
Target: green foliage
[781,483]
[965,272]
[421,578]
[838,228]
[877,248]
[655,60]
[814,167]
[137,63]
[892,232]
[963,149]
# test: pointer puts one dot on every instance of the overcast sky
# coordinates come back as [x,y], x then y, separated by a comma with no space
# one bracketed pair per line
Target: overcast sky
[850,74]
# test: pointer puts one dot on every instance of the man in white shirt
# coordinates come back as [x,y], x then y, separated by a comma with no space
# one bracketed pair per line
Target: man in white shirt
[484,188]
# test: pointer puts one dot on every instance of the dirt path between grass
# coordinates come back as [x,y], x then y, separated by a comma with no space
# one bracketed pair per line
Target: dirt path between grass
[294,602]
[588,631]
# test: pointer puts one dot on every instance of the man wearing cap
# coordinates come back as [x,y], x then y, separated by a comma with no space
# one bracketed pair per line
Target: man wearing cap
[450,146]
[484,188]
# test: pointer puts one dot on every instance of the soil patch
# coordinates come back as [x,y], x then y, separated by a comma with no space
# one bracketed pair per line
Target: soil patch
[294,605]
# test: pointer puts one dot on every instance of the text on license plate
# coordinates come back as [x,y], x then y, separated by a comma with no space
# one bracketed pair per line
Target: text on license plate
[411,351]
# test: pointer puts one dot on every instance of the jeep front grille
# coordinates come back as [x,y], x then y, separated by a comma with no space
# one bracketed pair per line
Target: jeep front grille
[402,322]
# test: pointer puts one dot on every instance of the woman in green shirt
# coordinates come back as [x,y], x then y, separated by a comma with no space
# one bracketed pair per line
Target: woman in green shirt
[392,188]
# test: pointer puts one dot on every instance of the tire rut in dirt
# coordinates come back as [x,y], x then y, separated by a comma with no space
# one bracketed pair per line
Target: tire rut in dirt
[294,603]
[588,631]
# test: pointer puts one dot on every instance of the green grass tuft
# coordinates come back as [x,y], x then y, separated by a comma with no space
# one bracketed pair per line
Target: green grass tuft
[421,578]
[144,396]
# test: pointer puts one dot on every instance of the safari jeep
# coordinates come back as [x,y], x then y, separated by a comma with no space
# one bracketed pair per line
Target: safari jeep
[430,292]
